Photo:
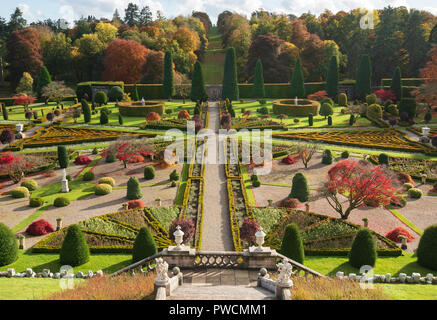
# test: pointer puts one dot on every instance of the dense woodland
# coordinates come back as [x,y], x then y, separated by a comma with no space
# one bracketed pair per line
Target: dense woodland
[130,47]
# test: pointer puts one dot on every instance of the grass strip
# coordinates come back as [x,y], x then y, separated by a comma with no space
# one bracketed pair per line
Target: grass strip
[248,186]
[405,221]
[29,219]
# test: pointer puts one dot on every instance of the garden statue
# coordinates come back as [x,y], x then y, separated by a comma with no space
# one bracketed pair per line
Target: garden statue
[295,101]
[161,270]
[20,134]
[143,102]
[285,272]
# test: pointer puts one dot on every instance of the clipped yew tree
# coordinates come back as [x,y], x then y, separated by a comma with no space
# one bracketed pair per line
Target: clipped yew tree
[297,86]
[8,246]
[258,90]
[135,96]
[168,89]
[363,85]
[292,246]
[230,81]
[63,157]
[74,250]
[326,110]
[299,188]
[198,91]
[332,78]
[134,189]
[363,251]
[144,245]
[426,251]
[44,79]
[396,83]
[86,110]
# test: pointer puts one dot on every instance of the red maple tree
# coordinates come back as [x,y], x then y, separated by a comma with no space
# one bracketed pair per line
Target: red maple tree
[352,184]
[17,166]
[129,151]
[427,93]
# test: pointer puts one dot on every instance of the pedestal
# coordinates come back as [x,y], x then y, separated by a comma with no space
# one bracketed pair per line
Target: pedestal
[263,257]
[65,188]
[182,257]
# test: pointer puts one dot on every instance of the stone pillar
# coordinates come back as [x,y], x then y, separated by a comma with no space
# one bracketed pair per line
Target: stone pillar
[366,222]
[64,181]
[58,224]
[21,241]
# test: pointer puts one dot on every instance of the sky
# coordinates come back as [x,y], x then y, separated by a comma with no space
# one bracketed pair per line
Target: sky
[71,10]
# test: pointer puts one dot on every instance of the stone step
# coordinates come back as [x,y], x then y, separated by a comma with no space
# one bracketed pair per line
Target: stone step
[220,292]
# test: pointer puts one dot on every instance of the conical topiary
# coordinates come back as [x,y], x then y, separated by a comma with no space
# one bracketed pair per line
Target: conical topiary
[292,246]
[8,246]
[383,159]
[230,80]
[426,251]
[74,250]
[297,86]
[299,188]
[363,85]
[327,157]
[332,78]
[135,96]
[168,89]
[198,91]
[43,80]
[258,90]
[86,110]
[103,118]
[134,189]
[396,83]
[63,157]
[363,251]
[144,245]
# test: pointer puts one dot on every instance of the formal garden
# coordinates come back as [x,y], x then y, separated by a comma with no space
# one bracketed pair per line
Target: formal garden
[90,177]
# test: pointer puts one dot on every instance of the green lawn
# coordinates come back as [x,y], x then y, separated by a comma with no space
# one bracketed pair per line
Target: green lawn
[338,119]
[174,105]
[29,289]
[394,265]
[213,63]
[16,113]
[409,292]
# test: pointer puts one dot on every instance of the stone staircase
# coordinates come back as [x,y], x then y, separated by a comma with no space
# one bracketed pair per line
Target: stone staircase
[220,284]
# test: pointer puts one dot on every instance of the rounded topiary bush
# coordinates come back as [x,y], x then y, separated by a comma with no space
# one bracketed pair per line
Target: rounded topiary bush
[374,111]
[39,228]
[345,154]
[363,251]
[342,99]
[74,251]
[415,193]
[292,246]
[103,189]
[61,202]
[30,184]
[408,186]
[144,245]
[383,159]
[20,192]
[107,180]
[426,251]
[371,99]
[8,246]
[115,94]
[327,157]
[88,176]
[149,173]
[256,183]
[36,202]
[327,100]
[100,97]
[133,189]
[299,188]
[110,157]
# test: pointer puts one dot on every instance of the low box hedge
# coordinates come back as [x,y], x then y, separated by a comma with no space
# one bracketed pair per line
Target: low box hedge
[304,107]
[136,109]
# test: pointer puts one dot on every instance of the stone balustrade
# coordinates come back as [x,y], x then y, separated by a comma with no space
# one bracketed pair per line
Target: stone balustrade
[415,278]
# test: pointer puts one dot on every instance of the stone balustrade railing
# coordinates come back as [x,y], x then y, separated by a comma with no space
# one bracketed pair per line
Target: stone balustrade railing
[415,278]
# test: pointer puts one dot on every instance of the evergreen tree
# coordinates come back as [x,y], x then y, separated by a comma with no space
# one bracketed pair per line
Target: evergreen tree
[292,246]
[63,157]
[299,188]
[198,91]
[120,120]
[8,246]
[363,85]
[43,80]
[426,253]
[86,110]
[74,250]
[258,90]
[332,78]
[297,86]
[135,97]
[103,118]
[168,89]
[363,251]
[134,189]
[396,83]
[326,109]
[144,245]
[230,81]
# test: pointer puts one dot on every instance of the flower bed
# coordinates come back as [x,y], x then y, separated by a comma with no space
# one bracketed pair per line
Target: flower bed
[303,108]
[136,109]
[55,135]
[321,235]
[111,233]
[390,139]
[257,124]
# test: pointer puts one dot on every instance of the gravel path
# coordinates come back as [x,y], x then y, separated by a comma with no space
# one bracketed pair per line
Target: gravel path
[216,230]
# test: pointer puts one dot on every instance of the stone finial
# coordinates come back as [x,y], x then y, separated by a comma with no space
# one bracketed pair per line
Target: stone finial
[402,277]
[259,237]
[178,236]
[429,278]
[339,275]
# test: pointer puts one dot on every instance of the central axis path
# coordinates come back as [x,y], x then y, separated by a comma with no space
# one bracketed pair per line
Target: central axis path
[216,229]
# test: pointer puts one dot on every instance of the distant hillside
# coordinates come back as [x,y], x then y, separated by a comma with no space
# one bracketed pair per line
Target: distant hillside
[214,59]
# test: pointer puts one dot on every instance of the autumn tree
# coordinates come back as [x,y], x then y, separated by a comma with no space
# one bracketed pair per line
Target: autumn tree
[17,166]
[359,183]
[57,55]
[204,18]
[124,61]
[88,59]
[427,92]
[128,150]
[57,91]
[106,32]
[25,86]
[24,54]
[152,71]
[306,153]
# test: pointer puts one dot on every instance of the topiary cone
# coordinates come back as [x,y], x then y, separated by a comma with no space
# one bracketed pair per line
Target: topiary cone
[74,250]
[8,246]
[134,189]
[292,246]
[144,245]
[363,251]
[426,251]
[299,188]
